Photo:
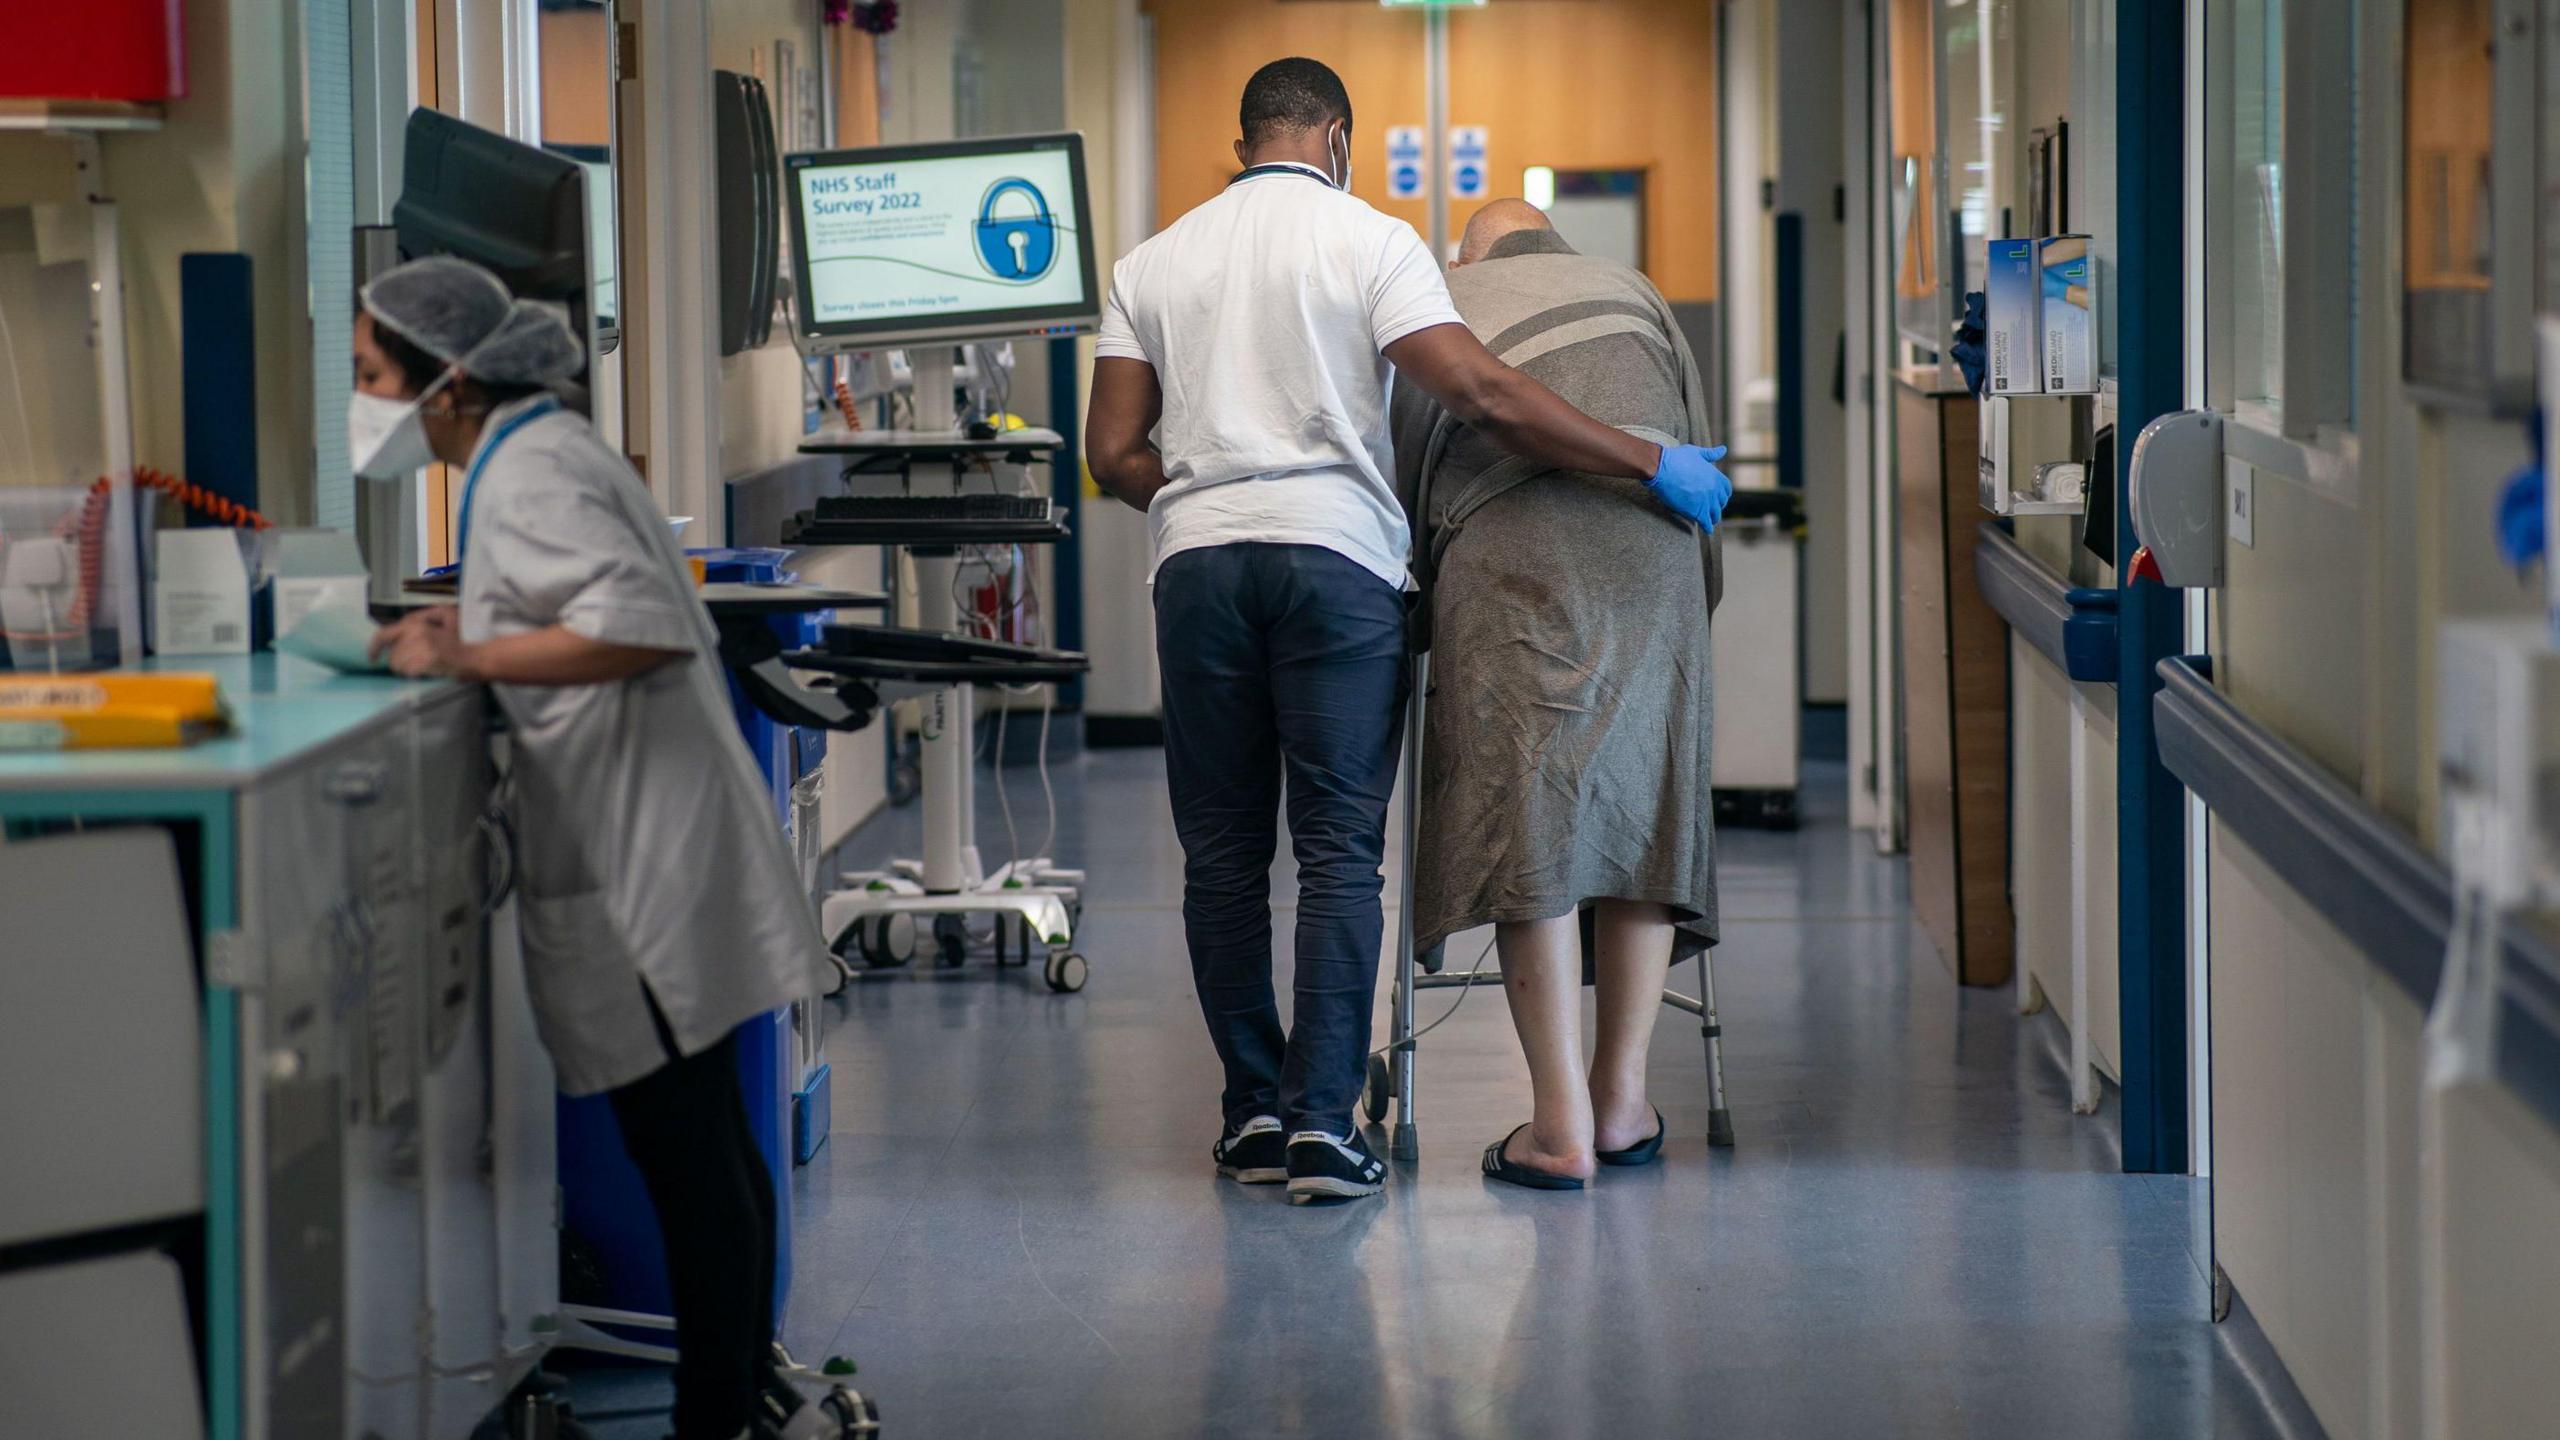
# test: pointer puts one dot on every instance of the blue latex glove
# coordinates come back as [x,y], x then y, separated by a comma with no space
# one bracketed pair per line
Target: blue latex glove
[1690,484]
[1971,355]
[2521,532]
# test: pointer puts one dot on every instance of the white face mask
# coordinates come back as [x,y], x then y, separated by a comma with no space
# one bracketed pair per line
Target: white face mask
[386,438]
[1331,151]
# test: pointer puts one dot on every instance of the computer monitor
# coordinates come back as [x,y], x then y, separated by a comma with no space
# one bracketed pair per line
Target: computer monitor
[961,240]
[597,162]
[516,210]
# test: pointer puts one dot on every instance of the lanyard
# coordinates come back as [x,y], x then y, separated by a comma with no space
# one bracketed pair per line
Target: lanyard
[471,477]
[1284,167]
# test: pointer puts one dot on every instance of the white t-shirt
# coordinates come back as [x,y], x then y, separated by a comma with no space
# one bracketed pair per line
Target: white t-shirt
[1264,313]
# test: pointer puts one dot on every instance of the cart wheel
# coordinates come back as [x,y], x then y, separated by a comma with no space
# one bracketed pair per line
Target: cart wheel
[852,1411]
[886,941]
[950,941]
[1375,1094]
[1066,972]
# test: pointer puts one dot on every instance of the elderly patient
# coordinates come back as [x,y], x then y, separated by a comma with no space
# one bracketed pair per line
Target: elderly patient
[1566,745]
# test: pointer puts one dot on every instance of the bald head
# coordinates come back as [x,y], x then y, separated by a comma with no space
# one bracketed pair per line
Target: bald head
[1500,218]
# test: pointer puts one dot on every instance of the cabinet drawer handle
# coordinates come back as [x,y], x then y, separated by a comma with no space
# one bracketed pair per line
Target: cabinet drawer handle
[498,841]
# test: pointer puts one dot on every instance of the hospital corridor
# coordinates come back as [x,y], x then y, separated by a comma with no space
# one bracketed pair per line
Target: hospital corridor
[1145,719]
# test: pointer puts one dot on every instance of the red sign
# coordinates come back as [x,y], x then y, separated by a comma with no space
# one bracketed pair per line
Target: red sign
[94,50]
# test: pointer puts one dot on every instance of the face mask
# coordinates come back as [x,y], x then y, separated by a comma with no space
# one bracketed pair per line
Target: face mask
[1344,155]
[385,437]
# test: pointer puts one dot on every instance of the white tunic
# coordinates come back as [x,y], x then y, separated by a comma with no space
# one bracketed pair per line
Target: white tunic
[1265,313]
[649,853]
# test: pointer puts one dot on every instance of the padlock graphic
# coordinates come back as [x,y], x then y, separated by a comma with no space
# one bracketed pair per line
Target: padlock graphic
[1020,244]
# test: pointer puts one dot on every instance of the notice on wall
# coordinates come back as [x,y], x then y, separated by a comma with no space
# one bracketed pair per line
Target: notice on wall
[1404,162]
[1470,176]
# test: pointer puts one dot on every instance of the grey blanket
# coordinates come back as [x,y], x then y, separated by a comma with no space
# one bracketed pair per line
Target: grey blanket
[1567,741]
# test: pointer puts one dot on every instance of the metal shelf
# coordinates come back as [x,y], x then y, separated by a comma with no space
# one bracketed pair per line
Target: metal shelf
[93,116]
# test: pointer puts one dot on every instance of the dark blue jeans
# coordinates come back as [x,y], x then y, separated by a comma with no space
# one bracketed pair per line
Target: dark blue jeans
[1282,659]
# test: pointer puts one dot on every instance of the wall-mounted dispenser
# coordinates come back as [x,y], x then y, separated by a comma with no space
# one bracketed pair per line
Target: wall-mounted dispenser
[2175,490]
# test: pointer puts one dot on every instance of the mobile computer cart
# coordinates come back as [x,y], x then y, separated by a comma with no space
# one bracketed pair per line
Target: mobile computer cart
[879,916]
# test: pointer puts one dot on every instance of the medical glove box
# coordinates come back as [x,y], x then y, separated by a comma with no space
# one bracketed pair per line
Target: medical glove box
[2068,314]
[2012,329]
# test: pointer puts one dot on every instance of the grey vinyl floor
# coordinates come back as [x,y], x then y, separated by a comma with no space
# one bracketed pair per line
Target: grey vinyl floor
[1015,1231]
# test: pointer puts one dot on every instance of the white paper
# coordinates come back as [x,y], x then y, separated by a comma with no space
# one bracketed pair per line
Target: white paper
[335,636]
[299,596]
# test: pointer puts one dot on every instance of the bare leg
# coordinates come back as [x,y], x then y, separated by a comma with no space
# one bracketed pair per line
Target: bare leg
[1542,975]
[1634,956]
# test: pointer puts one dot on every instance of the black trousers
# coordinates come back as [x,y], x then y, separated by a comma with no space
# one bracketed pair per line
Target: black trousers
[685,1124]
[1282,661]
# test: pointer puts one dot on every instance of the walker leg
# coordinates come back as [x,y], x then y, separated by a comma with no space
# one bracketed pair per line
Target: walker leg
[1719,1118]
[1405,1142]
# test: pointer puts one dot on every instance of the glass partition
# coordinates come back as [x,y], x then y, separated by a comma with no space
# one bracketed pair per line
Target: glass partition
[1916,179]
[2091,157]
[576,40]
[1975,86]
[2256,235]
[2451,124]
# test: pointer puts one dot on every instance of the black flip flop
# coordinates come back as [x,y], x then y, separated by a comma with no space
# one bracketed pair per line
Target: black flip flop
[1643,1152]
[1498,1166]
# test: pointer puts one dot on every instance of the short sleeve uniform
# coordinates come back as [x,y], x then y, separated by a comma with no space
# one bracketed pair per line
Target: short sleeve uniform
[650,855]
[1265,314]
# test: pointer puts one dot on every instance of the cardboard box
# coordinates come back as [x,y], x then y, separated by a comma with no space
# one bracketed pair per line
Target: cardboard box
[2069,315]
[2011,328]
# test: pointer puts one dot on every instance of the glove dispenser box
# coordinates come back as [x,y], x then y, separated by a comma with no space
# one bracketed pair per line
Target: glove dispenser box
[2035,454]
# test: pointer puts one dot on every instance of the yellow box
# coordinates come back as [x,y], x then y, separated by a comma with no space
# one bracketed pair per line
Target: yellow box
[117,710]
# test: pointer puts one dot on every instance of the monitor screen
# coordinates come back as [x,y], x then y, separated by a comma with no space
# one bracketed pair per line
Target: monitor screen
[522,213]
[968,239]
[597,162]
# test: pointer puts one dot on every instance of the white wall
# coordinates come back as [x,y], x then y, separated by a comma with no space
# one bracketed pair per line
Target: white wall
[2043,850]
[1809,176]
[1111,80]
[2315,1220]
[1748,96]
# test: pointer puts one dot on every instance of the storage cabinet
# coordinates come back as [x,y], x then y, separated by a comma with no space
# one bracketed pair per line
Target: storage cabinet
[1955,687]
[378,1255]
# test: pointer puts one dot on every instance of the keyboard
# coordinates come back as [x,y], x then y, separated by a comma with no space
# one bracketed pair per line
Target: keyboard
[977,505]
[894,642]
[927,521]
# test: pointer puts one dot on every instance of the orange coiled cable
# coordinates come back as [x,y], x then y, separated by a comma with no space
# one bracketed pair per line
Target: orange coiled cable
[88,525]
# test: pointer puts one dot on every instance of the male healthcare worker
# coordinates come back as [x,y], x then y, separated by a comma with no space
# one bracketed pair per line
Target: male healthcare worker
[1240,398]
[660,909]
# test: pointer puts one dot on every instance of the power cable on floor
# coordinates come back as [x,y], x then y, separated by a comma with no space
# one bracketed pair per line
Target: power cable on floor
[1464,986]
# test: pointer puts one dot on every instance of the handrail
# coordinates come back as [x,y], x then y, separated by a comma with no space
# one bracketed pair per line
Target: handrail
[2032,599]
[2361,871]
[2074,628]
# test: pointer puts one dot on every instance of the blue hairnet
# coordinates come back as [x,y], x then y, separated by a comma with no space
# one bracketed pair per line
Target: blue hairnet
[464,316]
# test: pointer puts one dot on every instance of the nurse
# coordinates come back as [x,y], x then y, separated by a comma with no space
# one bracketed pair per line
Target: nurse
[660,908]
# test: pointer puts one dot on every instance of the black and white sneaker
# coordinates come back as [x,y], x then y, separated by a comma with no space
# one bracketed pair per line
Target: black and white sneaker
[1253,1155]
[1322,1167]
